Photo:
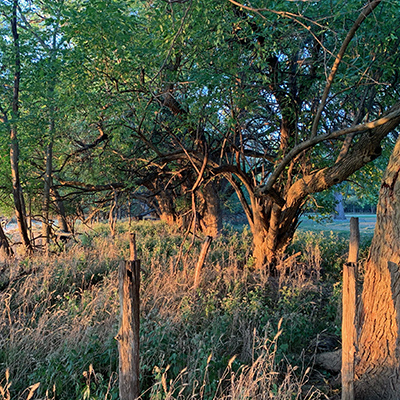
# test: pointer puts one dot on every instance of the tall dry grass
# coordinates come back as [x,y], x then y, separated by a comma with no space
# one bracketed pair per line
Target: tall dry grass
[59,316]
[262,379]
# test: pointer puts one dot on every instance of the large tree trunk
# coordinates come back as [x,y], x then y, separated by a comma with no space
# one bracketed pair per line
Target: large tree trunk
[282,223]
[166,206]
[272,232]
[210,215]
[378,369]
[14,149]
[272,225]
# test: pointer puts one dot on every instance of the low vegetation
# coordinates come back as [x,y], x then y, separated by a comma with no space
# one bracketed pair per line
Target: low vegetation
[241,334]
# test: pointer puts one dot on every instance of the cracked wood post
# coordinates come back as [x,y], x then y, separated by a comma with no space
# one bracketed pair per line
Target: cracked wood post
[200,262]
[349,313]
[128,335]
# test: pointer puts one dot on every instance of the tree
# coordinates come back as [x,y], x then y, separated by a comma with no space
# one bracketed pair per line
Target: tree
[378,343]
[148,122]
[45,68]
[12,126]
[339,208]
[289,131]
[282,102]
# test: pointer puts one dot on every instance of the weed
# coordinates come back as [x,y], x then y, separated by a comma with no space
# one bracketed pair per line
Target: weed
[59,316]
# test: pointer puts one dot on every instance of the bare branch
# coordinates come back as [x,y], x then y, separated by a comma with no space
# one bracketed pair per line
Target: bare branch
[90,188]
[369,7]
[173,41]
[294,17]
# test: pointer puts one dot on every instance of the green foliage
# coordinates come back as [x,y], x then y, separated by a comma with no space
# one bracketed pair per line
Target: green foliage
[66,313]
[109,70]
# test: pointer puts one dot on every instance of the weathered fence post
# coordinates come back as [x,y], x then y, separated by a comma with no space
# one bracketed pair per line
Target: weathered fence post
[128,335]
[349,337]
[200,262]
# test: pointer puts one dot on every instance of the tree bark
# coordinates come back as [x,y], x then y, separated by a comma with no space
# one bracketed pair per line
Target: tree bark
[46,191]
[339,209]
[128,335]
[14,148]
[200,261]
[62,217]
[210,215]
[259,229]
[4,245]
[378,368]
[166,207]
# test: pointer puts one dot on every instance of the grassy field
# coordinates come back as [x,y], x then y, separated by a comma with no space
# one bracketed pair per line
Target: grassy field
[366,224]
[241,335]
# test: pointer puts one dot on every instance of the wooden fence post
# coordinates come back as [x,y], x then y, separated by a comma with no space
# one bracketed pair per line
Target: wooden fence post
[200,262]
[128,335]
[349,337]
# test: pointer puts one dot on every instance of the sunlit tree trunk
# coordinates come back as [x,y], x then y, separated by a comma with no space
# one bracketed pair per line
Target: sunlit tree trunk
[211,217]
[378,369]
[273,230]
[166,207]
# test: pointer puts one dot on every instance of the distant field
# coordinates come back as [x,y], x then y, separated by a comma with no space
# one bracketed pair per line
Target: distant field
[366,221]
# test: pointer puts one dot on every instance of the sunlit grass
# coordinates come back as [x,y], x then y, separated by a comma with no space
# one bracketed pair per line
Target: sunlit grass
[59,316]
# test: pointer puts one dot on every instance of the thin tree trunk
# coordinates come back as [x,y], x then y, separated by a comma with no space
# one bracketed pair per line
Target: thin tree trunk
[48,175]
[201,260]
[14,149]
[4,245]
[378,369]
[46,191]
[29,221]
[62,217]
[339,209]
[111,217]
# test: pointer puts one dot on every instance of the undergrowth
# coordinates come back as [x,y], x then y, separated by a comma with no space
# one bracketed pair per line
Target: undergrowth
[241,334]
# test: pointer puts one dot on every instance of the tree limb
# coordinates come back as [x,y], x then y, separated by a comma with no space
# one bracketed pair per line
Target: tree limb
[393,115]
[368,8]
